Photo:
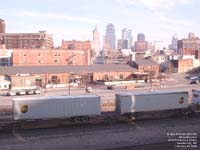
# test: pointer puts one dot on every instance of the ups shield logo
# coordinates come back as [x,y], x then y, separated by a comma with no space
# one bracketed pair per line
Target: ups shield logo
[24,108]
[181,100]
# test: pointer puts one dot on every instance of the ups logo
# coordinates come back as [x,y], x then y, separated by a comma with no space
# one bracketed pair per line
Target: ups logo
[181,100]
[24,108]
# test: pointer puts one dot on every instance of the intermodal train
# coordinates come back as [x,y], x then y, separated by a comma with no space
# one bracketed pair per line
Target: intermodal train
[129,106]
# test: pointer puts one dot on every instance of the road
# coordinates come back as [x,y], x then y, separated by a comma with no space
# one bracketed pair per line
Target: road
[140,135]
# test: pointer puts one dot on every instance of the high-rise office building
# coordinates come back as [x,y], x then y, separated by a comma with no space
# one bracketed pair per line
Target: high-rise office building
[2,26]
[110,37]
[96,42]
[127,36]
[122,44]
[124,34]
[174,45]
[141,37]
[130,38]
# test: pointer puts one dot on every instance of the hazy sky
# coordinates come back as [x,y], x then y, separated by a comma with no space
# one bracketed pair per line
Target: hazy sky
[75,19]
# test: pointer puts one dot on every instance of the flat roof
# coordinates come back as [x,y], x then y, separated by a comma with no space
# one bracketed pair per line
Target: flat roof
[65,69]
[54,97]
[152,93]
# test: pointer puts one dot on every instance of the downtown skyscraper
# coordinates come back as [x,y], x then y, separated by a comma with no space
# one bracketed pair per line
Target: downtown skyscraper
[127,36]
[174,45]
[110,37]
[96,42]
[141,37]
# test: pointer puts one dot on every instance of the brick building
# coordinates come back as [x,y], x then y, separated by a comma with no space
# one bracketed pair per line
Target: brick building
[76,45]
[43,57]
[5,57]
[189,46]
[195,53]
[146,65]
[26,76]
[27,40]
[185,65]
[141,46]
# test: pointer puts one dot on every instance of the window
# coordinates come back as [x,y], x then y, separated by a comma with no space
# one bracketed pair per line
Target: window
[54,79]
[56,54]
[5,86]
[106,77]
[121,77]
[71,46]
[56,60]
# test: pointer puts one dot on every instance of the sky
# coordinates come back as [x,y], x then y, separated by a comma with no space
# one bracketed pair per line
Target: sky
[75,19]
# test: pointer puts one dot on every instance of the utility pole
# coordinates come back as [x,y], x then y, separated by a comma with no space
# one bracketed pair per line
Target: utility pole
[69,84]
[169,69]
[45,84]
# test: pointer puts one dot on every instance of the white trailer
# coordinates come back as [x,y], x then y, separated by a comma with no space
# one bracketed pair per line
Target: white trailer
[30,108]
[150,101]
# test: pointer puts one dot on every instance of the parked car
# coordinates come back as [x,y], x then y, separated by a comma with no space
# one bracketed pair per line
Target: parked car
[194,78]
[11,93]
[21,92]
[30,92]
[37,91]
[112,87]
[194,81]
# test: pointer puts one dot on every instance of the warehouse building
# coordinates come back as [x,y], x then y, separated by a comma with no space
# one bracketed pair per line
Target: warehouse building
[60,76]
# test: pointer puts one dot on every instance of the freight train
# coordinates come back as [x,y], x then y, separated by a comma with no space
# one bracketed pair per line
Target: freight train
[87,108]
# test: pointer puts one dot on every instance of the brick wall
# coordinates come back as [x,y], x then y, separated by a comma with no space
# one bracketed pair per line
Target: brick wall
[39,57]
[185,65]
[112,75]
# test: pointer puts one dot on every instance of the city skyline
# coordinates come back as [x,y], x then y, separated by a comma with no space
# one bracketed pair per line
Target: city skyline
[68,20]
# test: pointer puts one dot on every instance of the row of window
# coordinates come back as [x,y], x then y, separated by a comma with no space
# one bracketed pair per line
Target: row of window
[107,77]
[40,61]
[148,67]
[5,86]
[40,54]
